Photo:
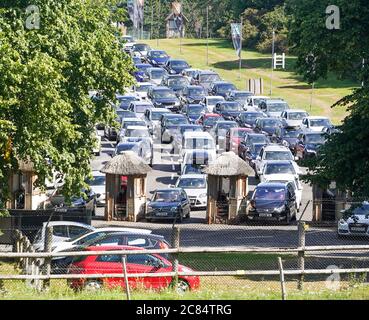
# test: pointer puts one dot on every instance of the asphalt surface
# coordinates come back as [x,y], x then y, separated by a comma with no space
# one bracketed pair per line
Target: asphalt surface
[194,231]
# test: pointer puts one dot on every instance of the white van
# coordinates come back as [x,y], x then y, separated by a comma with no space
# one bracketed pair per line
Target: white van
[197,140]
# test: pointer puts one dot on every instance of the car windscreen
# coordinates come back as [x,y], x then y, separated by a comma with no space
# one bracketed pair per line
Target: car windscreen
[196,92]
[140,47]
[242,96]
[192,183]
[291,133]
[256,148]
[126,100]
[192,168]
[195,110]
[226,126]
[257,139]
[208,78]
[214,101]
[133,123]
[125,147]
[239,133]
[279,168]
[315,138]
[222,88]
[270,123]
[158,54]
[278,155]
[199,143]
[176,121]
[297,115]
[157,115]
[250,117]
[179,64]
[137,133]
[257,101]
[141,108]
[157,74]
[211,121]
[143,88]
[164,94]
[277,107]
[96,181]
[178,82]
[143,67]
[166,196]
[269,193]
[231,107]
[319,123]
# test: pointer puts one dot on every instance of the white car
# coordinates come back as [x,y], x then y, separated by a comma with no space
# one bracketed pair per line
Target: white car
[141,89]
[280,168]
[316,124]
[253,102]
[152,118]
[297,186]
[190,73]
[155,75]
[97,233]
[193,140]
[273,152]
[197,157]
[292,118]
[140,107]
[210,102]
[62,231]
[97,185]
[196,188]
[354,222]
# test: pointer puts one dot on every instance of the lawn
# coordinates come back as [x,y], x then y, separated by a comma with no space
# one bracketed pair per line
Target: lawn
[286,84]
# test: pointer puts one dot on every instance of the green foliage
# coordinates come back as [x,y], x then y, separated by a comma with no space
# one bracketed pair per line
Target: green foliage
[45,78]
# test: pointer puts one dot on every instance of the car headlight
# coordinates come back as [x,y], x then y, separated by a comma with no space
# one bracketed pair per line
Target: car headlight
[177,104]
[343,222]
[279,210]
[149,208]
[173,209]
[203,195]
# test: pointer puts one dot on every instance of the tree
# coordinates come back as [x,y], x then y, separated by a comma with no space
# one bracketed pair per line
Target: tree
[46,115]
[345,156]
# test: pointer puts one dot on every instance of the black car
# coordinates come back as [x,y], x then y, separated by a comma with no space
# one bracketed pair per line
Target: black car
[157,58]
[287,137]
[221,88]
[193,95]
[308,144]
[177,83]
[229,110]
[267,126]
[126,100]
[250,153]
[247,119]
[273,201]
[250,140]
[193,112]
[163,97]
[171,203]
[176,66]
[60,265]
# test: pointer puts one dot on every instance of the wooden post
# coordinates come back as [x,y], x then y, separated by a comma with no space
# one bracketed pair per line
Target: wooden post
[301,254]
[47,248]
[124,262]
[281,273]
[175,244]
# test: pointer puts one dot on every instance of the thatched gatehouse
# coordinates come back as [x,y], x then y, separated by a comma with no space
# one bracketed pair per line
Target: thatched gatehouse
[125,187]
[227,188]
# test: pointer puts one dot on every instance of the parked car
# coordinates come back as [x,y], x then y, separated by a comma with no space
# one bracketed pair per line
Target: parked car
[354,221]
[157,58]
[175,82]
[292,118]
[221,88]
[234,137]
[229,110]
[196,188]
[248,119]
[316,124]
[192,95]
[171,203]
[239,96]
[170,126]
[308,144]
[176,66]
[193,112]
[206,78]
[208,120]
[62,231]
[210,102]
[163,97]
[273,201]
[267,126]
[273,107]
[97,185]
[141,263]
[155,75]
[140,74]
[140,50]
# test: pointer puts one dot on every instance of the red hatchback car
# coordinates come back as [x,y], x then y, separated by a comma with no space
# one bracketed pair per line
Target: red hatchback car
[138,263]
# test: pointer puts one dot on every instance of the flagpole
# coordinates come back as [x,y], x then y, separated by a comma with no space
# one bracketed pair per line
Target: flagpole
[180,30]
[240,62]
[271,77]
[207,35]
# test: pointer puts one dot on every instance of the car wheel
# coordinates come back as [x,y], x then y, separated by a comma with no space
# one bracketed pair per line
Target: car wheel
[188,215]
[182,286]
[288,218]
[148,219]
[93,285]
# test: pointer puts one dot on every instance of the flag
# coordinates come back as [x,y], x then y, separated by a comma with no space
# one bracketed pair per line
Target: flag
[237,37]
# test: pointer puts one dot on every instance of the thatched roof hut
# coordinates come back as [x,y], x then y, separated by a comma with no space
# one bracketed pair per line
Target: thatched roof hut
[26,165]
[229,164]
[126,164]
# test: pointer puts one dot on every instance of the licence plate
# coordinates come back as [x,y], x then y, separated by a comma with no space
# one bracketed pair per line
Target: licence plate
[265,215]
[162,214]
[358,229]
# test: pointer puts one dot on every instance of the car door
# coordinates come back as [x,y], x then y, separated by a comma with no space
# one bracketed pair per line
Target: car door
[185,204]
[110,264]
[259,161]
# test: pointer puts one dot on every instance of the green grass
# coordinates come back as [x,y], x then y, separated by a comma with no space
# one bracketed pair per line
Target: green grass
[286,83]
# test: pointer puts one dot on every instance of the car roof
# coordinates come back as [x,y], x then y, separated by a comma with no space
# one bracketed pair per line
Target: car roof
[271,101]
[155,68]
[215,97]
[206,115]
[192,86]
[174,115]
[137,127]
[68,223]
[278,162]
[316,117]
[271,184]
[142,103]
[192,176]
[208,72]
[122,229]
[295,110]
[222,82]
[143,65]
[226,121]
[275,147]
[97,173]
[155,110]
[168,189]
[195,134]
[159,88]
